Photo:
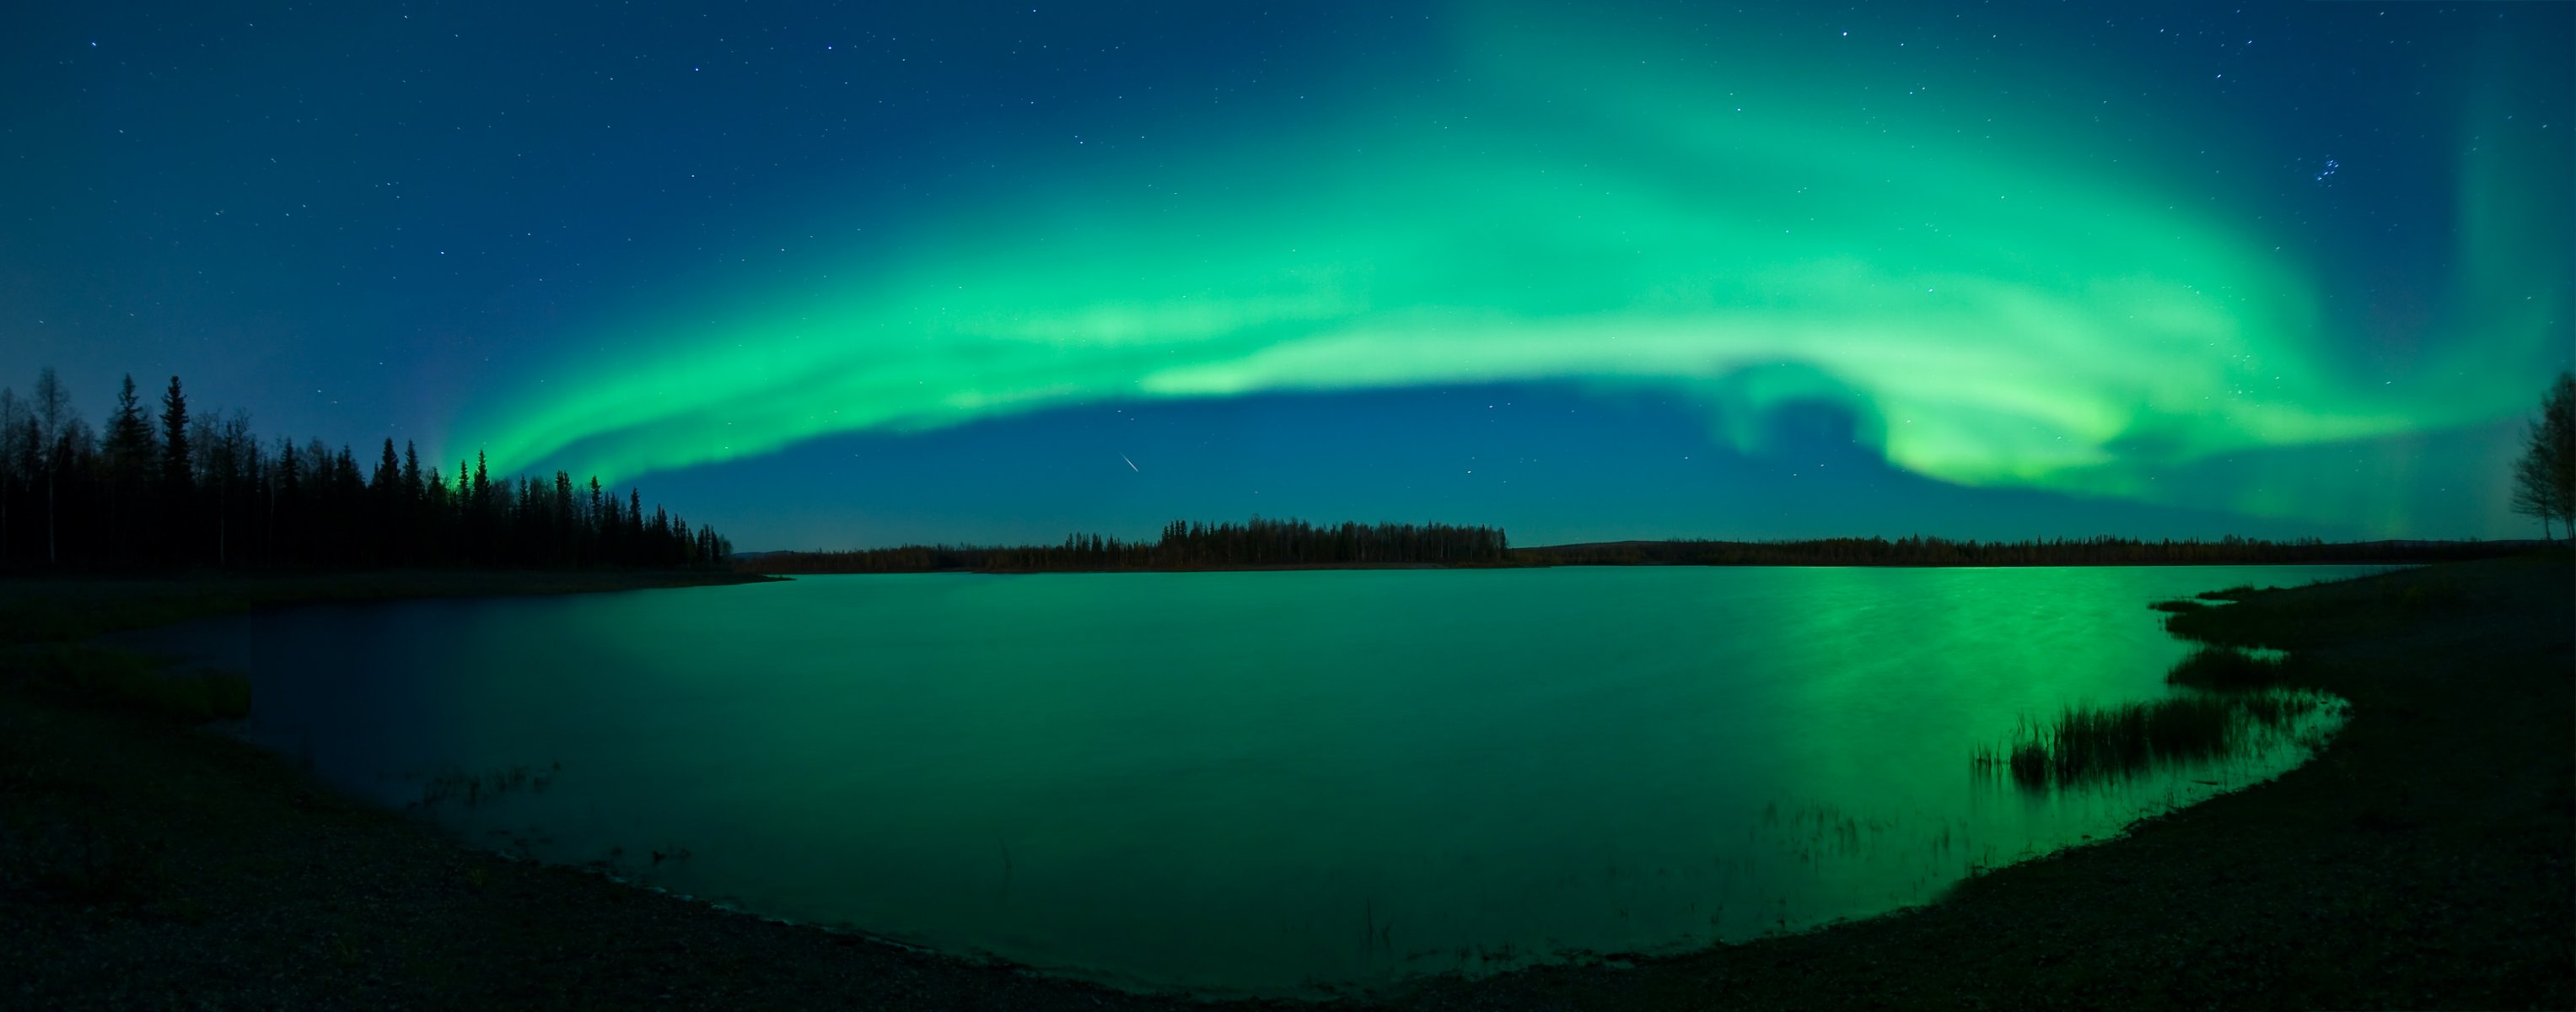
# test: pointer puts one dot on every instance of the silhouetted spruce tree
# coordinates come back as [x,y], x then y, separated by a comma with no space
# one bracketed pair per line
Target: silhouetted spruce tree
[129,456]
[412,521]
[562,524]
[178,484]
[388,471]
[384,497]
[593,523]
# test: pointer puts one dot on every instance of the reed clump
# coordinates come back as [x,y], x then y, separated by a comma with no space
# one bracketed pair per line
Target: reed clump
[2089,744]
[2226,669]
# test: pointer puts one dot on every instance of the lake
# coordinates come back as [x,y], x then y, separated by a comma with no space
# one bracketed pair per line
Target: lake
[1267,782]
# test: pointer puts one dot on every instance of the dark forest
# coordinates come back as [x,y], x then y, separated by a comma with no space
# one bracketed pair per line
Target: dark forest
[171,489]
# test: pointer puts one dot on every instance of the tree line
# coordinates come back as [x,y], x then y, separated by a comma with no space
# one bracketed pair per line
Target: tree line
[176,489]
[2543,487]
[1182,545]
[1265,543]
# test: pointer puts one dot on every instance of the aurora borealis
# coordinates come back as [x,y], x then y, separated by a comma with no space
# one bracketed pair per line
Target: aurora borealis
[2141,270]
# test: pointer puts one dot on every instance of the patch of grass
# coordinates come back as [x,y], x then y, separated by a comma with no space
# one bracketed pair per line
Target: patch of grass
[2085,743]
[2238,592]
[2091,744]
[126,680]
[2180,606]
[2225,668]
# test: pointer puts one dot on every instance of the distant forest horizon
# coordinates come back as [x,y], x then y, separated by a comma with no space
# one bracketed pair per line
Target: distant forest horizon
[1292,544]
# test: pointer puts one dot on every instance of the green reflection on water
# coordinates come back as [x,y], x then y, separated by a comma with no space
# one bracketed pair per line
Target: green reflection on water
[1257,781]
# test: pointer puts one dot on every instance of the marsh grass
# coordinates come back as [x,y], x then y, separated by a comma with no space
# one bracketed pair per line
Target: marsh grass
[2094,744]
[126,680]
[2180,606]
[2225,668]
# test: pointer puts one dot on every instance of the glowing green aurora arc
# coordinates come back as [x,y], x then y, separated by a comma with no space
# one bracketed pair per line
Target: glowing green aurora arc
[2000,299]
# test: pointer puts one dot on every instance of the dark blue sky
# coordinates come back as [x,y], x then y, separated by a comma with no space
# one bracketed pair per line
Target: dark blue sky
[2302,270]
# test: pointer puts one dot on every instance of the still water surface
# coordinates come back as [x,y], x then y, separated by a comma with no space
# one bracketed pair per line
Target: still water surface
[1256,782]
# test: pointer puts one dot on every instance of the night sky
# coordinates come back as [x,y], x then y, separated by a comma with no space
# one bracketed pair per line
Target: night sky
[835,278]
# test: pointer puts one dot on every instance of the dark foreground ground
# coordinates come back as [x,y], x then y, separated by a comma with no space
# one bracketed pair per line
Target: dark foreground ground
[2423,862]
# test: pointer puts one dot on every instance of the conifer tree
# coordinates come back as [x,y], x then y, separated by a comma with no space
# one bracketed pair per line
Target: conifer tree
[388,471]
[128,454]
[177,483]
[129,434]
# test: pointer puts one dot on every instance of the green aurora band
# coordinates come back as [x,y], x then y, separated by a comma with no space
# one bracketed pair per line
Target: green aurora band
[1999,297]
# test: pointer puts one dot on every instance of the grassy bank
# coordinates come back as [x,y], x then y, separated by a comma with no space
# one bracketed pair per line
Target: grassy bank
[2423,861]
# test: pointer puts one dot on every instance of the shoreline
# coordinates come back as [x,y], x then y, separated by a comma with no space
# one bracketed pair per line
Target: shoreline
[69,607]
[2422,860]
[1475,566]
